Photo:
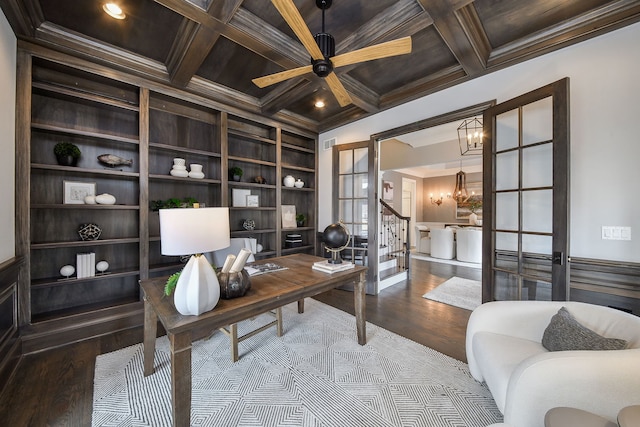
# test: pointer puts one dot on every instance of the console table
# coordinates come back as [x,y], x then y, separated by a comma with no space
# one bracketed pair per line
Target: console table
[268,291]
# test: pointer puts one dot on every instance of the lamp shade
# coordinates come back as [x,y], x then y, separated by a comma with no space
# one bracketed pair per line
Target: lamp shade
[193,231]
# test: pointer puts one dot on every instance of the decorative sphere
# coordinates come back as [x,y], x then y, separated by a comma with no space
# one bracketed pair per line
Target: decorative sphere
[102,266]
[67,270]
[335,236]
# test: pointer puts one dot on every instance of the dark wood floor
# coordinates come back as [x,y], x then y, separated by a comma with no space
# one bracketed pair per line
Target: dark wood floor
[55,387]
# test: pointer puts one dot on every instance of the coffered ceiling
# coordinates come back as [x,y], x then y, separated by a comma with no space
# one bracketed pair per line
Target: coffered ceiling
[216,47]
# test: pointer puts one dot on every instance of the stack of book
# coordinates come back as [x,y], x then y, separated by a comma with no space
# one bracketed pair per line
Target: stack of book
[293,241]
[85,265]
[327,267]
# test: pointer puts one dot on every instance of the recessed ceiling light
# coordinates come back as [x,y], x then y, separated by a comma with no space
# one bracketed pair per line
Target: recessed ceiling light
[319,104]
[113,10]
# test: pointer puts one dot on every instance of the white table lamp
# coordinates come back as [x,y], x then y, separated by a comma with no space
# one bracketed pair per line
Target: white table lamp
[194,231]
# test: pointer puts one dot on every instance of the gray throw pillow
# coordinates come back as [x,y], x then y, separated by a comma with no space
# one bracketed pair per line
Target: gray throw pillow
[566,333]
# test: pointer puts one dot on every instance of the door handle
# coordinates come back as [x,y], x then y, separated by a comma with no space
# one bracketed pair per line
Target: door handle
[558,258]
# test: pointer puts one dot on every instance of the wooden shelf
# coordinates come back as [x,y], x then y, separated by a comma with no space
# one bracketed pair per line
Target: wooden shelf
[84,243]
[83,206]
[93,133]
[247,135]
[187,179]
[74,93]
[186,150]
[250,160]
[61,281]
[86,171]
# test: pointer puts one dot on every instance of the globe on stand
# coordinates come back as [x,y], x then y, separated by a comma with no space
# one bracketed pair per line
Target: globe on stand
[336,237]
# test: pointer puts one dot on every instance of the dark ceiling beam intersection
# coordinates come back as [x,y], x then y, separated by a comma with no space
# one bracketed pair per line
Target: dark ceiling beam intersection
[193,43]
[454,35]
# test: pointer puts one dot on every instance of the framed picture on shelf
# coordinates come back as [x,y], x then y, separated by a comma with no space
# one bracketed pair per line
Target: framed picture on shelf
[253,201]
[239,197]
[75,192]
[289,216]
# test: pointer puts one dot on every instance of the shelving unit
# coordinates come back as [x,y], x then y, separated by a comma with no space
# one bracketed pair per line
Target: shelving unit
[99,116]
[107,115]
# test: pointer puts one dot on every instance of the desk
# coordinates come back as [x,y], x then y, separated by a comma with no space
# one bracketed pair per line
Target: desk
[268,292]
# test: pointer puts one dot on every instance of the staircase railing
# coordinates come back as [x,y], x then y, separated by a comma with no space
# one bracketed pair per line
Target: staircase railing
[395,235]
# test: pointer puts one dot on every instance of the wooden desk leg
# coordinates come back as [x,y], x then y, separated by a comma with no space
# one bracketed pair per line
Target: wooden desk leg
[233,335]
[149,343]
[301,306]
[181,378]
[360,307]
[279,321]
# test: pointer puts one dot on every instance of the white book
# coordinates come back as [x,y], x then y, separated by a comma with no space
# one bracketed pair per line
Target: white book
[92,264]
[85,265]
[327,267]
[79,266]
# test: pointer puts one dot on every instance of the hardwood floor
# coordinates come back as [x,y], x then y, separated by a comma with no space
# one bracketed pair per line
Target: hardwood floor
[55,387]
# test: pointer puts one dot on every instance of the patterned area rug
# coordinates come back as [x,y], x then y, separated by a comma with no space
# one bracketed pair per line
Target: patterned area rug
[459,292]
[314,375]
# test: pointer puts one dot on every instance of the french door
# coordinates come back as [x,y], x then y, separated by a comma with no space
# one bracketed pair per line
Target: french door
[526,197]
[354,178]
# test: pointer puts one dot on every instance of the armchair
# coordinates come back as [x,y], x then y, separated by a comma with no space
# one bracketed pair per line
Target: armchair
[504,349]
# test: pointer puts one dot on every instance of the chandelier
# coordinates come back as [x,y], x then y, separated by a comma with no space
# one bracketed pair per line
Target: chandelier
[470,136]
[460,193]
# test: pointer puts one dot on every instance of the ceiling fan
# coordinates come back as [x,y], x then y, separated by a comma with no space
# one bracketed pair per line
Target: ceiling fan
[322,50]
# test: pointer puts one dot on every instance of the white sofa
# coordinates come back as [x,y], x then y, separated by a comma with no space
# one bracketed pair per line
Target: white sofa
[504,349]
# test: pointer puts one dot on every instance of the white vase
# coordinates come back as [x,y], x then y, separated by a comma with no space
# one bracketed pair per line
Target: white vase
[105,199]
[179,162]
[299,183]
[197,290]
[289,181]
[196,171]
[473,218]
[179,173]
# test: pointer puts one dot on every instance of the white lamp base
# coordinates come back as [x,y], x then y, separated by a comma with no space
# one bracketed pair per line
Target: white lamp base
[197,290]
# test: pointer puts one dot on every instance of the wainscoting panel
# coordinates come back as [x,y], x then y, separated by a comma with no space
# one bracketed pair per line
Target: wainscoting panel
[9,340]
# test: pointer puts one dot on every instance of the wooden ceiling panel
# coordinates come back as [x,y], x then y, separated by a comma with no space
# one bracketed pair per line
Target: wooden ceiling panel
[508,20]
[429,55]
[227,43]
[148,30]
[234,66]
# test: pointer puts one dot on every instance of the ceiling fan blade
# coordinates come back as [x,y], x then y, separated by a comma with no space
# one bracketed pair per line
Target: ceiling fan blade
[281,76]
[290,14]
[382,50]
[338,90]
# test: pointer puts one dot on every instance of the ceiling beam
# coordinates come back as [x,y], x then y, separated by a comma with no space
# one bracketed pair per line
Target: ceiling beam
[194,42]
[284,94]
[446,22]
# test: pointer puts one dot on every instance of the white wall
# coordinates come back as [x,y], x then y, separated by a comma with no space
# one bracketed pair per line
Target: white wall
[605,142]
[7,139]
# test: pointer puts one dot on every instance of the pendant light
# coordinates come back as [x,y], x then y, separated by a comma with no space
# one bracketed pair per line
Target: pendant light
[460,193]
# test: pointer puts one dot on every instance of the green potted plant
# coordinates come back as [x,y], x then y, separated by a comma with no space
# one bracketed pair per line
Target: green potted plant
[300,219]
[235,173]
[67,154]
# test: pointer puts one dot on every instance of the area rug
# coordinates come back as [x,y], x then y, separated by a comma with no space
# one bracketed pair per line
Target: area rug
[459,292]
[314,375]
